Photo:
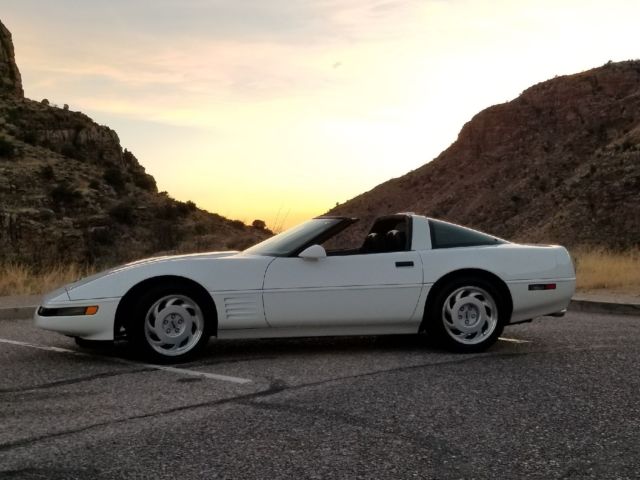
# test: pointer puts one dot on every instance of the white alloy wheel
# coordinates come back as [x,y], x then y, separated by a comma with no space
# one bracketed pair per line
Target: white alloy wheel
[173,325]
[469,315]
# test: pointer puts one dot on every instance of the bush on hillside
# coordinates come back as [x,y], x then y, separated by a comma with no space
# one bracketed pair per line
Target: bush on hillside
[47,172]
[7,150]
[64,195]
[113,176]
[123,213]
[144,181]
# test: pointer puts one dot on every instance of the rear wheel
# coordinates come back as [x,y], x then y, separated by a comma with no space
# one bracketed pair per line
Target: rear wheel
[169,324]
[467,315]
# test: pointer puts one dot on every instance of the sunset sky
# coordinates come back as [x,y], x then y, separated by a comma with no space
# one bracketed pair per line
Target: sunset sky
[278,109]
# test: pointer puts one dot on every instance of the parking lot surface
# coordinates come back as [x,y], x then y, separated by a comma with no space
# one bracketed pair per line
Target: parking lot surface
[557,398]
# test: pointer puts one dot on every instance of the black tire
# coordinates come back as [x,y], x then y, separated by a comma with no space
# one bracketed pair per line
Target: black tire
[480,315]
[170,324]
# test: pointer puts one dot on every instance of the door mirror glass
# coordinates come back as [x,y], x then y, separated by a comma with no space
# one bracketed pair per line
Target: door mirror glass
[314,252]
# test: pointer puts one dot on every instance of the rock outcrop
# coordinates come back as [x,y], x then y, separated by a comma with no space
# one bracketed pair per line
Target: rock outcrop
[10,80]
[560,163]
[70,193]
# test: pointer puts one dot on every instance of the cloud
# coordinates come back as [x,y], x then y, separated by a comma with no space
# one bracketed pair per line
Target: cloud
[280,21]
[142,55]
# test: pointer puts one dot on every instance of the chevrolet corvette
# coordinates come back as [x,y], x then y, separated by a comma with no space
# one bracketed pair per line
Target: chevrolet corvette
[409,274]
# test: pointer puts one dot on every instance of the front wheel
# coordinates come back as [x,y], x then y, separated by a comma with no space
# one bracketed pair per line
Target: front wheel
[170,325]
[467,315]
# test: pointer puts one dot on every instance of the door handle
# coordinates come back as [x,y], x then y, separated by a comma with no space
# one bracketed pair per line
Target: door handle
[404,264]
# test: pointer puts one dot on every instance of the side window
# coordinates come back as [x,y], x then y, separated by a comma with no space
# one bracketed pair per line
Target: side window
[389,234]
[448,235]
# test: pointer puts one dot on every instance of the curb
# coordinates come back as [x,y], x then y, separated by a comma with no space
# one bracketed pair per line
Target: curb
[588,306]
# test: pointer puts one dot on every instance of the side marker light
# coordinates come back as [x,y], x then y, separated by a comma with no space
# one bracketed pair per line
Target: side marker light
[542,286]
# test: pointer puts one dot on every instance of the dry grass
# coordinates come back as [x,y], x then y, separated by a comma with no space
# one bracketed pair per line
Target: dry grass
[600,269]
[16,279]
[597,269]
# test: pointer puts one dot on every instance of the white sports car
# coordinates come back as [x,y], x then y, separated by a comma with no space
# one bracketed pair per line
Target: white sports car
[412,274]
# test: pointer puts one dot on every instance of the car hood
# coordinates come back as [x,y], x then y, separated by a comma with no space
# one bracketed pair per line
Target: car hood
[145,262]
[174,258]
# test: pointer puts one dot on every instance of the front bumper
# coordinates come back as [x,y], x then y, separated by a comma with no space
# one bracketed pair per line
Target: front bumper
[90,327]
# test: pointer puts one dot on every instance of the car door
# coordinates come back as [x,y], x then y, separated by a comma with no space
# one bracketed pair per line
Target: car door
[350,290]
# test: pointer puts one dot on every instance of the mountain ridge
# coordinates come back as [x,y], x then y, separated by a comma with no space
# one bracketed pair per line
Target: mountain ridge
[69,192]
[559,164]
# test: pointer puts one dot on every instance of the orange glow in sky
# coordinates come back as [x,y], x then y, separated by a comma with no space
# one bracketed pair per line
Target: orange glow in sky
[277,110]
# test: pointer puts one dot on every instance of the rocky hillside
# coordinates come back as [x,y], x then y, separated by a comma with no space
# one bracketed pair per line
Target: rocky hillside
[69,192]
[560,163]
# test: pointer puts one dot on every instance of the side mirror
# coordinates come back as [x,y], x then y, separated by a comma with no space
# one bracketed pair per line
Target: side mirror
[314,252]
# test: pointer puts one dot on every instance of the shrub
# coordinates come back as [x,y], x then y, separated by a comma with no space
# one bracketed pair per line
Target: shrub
[200,229]
[166,235]
[14,115]
[259,224]
[63,194]
[47,173]
[169,209]
[70,151]
[101,236]
[184,208]
[30,137]
[128,157]
[113,176]
[7,150]
[123,213]
[145,181]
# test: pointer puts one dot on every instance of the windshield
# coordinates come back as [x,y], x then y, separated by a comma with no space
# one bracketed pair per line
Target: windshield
[287,242]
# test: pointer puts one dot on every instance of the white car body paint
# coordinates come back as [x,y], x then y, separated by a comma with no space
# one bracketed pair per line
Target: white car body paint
[364,293]
[518,266]
[348,291]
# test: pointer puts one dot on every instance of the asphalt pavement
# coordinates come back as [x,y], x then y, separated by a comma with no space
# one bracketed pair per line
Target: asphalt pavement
[557,398]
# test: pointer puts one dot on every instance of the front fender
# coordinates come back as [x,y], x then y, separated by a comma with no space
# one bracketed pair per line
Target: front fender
[235,272]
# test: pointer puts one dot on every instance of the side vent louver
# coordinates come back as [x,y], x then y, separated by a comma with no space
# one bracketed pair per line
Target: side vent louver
[241,308]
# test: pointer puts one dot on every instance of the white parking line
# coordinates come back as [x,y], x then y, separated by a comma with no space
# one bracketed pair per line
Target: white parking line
[513,340]
[40,347]
[164,368]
